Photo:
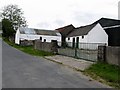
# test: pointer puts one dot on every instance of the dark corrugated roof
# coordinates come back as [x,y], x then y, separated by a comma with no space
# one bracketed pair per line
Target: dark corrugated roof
[106,22]
[66,29]
[46,32]
[38,31]
[83,30]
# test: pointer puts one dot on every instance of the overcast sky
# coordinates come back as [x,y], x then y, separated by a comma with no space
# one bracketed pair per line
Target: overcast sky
[52,14]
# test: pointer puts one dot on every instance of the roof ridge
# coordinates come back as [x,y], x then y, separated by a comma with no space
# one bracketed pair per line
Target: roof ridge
[86,25]
[65,26]
[110,19]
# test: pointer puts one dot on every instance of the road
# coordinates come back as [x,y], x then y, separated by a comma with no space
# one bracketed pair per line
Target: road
[20,70]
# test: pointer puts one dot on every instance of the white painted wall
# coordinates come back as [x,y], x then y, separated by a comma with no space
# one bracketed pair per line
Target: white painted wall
[33,37]
[96,35]
[17,35]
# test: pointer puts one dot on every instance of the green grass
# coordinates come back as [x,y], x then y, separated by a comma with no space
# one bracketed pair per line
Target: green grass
[106,73]
[28,49]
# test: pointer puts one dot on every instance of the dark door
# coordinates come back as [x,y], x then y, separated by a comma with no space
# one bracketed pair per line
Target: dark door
[77,42]
[73,43]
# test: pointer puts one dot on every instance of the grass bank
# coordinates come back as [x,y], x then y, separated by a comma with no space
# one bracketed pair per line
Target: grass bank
[105,73]
[28,49]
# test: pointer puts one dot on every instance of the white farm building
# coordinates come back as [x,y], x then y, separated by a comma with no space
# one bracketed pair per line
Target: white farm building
[95,34]
[33,34]
[92,35]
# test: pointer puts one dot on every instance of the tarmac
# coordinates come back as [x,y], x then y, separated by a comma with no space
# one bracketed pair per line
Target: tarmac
[74,63]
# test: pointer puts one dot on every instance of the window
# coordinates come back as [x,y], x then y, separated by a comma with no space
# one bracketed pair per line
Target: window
[68,38]
[44,40]
[82,37]
[40,38]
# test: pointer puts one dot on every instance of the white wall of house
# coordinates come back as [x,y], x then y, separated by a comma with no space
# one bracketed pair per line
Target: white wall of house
[97,35]
[33,37]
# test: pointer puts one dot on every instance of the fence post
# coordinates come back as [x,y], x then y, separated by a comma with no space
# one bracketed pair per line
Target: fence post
[54,46]
[75,52]
[102,53]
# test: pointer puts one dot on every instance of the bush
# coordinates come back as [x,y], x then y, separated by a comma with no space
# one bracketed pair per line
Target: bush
[7,28]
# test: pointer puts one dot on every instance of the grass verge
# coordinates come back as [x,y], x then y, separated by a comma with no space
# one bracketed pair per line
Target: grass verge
[28,49]
[105,73]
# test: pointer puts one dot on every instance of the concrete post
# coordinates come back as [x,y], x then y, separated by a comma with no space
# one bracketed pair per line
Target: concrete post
[102,53]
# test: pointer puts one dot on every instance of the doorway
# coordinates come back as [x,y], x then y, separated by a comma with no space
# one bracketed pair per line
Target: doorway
[73,43]
[77,42]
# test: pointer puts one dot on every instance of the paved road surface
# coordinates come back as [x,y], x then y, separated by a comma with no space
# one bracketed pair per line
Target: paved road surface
[21,70]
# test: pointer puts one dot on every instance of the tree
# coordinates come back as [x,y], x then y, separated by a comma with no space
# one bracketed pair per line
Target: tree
[7,28]
[14,15]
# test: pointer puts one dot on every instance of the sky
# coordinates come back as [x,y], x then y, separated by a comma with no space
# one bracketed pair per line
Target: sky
[53,14]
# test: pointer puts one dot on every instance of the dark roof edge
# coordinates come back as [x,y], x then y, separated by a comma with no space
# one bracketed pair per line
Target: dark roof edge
[37,29]
[65,26]
[107,19]
[98,21]
[87,25]
[110,19]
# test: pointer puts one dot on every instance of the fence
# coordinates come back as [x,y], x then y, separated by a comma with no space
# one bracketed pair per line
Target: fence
[87,51]
[90,46]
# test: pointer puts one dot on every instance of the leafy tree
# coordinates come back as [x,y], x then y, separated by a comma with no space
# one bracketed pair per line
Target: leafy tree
[7,28]
[15,15]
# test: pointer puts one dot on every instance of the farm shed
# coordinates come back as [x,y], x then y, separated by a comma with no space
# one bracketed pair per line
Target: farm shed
[33,34]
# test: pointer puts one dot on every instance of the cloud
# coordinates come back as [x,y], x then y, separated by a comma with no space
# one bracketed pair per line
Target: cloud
[84,18]
[51,14]
[59,22]
[43,25]
[51,25]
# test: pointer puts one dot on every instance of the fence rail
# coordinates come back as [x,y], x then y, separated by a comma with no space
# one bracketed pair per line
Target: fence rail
[92,46]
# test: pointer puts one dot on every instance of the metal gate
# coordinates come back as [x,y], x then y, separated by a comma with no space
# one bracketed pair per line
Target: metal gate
[86,51]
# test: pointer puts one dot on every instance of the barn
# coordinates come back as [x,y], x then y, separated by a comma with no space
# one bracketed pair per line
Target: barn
[64,31]
[33,34]
[101,32]
[89,36]
[114,35]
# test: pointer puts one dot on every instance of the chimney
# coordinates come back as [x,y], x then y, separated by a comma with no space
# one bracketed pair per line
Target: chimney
[119,10]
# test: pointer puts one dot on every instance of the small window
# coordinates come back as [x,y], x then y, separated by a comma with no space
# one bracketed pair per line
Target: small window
[82,37]
[40,38]
[44,40]
[68,38]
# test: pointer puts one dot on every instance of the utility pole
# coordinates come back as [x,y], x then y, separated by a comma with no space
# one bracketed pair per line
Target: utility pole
[119,10]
